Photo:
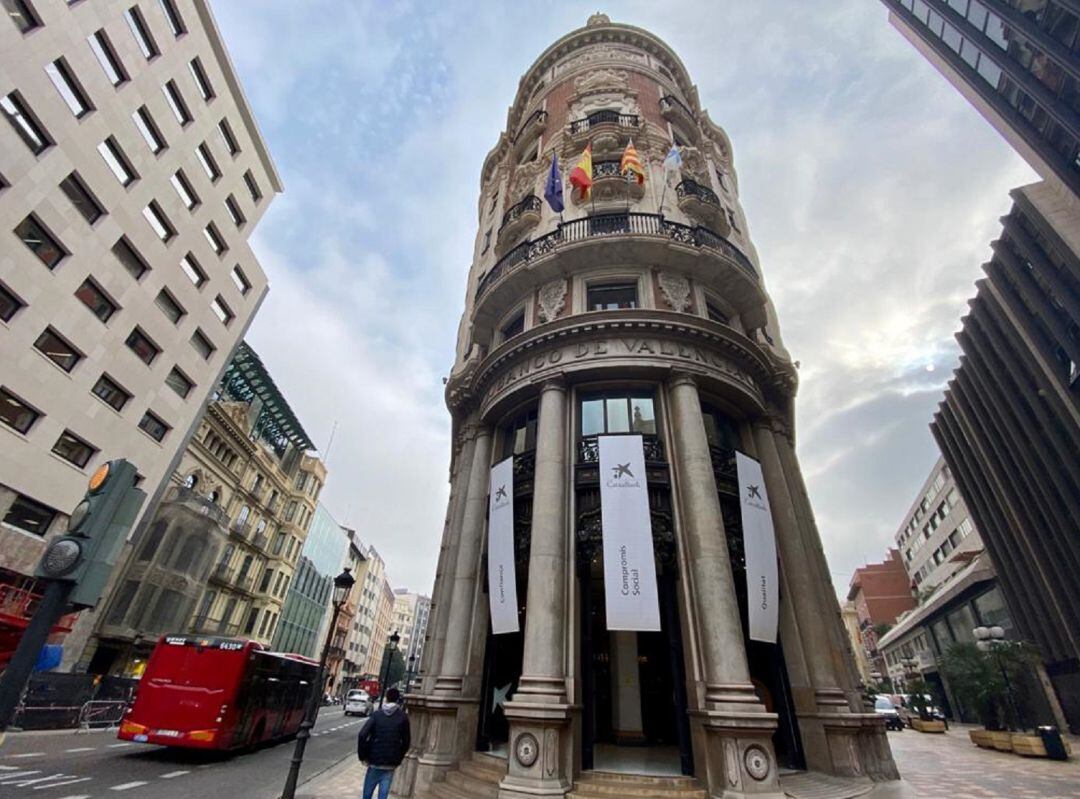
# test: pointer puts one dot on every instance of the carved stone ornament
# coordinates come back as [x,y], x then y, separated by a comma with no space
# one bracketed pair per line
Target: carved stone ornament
[526,749]
[552,300]
[756,760]
[676,291]
[526,179]
[731,758]
[602,79]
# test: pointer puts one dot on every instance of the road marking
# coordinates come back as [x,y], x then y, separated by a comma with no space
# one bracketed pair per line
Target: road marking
[76,796]
[29,754]
[18,775]
[66,782]
[172,774]
[82,749]
[50,778]
[128,785]
[9,768]
[119,746]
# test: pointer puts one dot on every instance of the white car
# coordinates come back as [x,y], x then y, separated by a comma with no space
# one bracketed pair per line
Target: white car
[357,703]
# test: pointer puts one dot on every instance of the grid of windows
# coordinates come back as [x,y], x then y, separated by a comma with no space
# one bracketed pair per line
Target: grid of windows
[110,392]
[106,56]
[93,297]
[15,413]
[70,91]
[40,242]
[26,125]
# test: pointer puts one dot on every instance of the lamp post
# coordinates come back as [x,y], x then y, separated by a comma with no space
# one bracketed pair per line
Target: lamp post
[410,672]
[343,584]
[388,654]
[991,639]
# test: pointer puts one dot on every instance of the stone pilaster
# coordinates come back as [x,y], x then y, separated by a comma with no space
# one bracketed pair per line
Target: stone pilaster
[539,710]
[740,760]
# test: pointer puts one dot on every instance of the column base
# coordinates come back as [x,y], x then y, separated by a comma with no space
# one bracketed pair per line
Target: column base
[541,748]
[740,760]
[450,728]
[405,774]
[848,745]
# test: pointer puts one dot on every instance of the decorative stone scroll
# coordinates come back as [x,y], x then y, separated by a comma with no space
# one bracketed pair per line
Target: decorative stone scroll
[552,300]
[676,291]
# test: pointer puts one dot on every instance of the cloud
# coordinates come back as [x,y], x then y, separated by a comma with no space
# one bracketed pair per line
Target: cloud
[871,187]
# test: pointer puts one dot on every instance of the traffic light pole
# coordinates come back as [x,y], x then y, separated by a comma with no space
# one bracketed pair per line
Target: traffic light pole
[49,610]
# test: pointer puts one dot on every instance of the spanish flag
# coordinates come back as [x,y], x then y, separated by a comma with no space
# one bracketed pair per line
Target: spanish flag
[581,175]
[631,164]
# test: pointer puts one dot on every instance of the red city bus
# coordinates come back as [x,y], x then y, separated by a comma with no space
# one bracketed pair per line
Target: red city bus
[218,693]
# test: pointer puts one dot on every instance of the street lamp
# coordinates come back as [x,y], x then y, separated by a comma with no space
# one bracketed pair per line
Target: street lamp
[991,639]
[343,584]
[409,674]
[388,658]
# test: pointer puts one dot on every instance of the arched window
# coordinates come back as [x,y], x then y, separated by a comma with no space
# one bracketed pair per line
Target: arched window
[260,526]
[214,496]
[191,480]
[187,560]
[245,512]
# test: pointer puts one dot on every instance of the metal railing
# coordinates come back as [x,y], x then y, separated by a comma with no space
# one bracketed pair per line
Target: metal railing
[606,169]
[588,449]
[530,203]
[222,573]
[670,101]
[603,225]
[603,117]
[691,188]
[101,714]
[18,605]
[540,115]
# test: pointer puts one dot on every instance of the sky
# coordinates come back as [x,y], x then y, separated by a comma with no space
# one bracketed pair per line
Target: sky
[871,187]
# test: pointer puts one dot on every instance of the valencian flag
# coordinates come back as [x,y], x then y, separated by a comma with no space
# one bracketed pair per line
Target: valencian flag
[631,164]
[553,189]
[581,175]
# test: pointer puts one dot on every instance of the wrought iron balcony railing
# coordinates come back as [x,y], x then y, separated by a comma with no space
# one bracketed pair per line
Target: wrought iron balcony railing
[539,117]
[588,450]
[606,169]
[691,188]
[604,117]
[602,225]
[532,203]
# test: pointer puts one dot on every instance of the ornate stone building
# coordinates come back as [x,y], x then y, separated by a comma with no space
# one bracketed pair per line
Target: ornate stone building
[641,310]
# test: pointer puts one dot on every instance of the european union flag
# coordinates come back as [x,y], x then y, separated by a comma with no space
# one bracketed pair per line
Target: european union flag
[553,189]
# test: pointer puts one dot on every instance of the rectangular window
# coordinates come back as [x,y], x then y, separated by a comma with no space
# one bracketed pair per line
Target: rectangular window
[107,57]
[240,279]
[73,449]
[29,516]
[117,161]
[222,311]
[149,130]
[25,123]
[20,13]
[227,138]
[92,296]
[206,90]
[145,349]
[70,91]
[183,188]
[716,314]
[213,238]
[209,165]
[141,32]
[153,426]
[193,270]
[202,345]
[179,382]
[110,392]
[159,222]
[130,259]
[34,235]
[9,304]
[15,413]
[513,327]
[176,103]
[611,297]
[169,306]
[234,211]
[85,202]
[176,22]
[252,187]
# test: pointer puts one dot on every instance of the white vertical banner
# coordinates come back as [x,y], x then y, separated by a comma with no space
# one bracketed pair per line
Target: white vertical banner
[759,544]
[502,582]
[629,568]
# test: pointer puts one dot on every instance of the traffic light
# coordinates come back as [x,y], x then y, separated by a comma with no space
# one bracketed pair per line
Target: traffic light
[85,556]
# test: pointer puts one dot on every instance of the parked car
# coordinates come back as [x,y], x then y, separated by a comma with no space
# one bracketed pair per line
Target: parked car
[884,707]
[908,713]
[357,702]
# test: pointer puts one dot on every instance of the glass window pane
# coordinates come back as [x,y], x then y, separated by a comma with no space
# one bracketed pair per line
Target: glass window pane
[73,449]
[592,417]
[976,15]
[81,198]
[44,246]
[28,515]
[69,90]
[643,419]
[176,103]
[119,165]
[201,79]
[9,304]
[202,345]
[995,29]
[142,35]
[989,71]
[110,393]
[15,413]
[132,261]
[19,13]
[618,415]
[193,270]
[106,56]
[28,129]
[94,299]
[145,123]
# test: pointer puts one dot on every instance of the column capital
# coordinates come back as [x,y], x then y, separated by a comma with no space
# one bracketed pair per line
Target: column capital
[682,378]
[555,382]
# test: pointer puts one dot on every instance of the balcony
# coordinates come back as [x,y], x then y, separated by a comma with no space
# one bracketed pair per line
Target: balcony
[675,110]
[208,625]
[701,202]
[244,583]
[607,129]
[196,503]
[261,541]
[240,529]
[530,129]
[599,119]
[520,219]
[611,185]
[588,450]
[222,574]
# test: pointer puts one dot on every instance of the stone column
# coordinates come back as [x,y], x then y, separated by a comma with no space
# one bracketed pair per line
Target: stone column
[444,744]
[740,760]
[539,713]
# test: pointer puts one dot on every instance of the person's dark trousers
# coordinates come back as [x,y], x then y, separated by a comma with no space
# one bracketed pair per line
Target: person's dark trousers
[378,777]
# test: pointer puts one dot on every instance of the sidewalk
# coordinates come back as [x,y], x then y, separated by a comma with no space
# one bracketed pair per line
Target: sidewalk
[342,781]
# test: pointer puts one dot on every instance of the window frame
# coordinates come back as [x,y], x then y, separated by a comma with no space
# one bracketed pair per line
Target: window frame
[91,450]
[600,284]
[140,31]
[184,190]
[48,239]
[205,157]
[202,80]
[10,398]
[173,17]
[153,213]
[187,382]
[107,57]
[169,306]
[13,302]
[228,138]
[174,98]
[148,418]
[63,78]
[240,280]
[103,295]
[136,333]
[215,239]
[82,198]
[123,243]
[199,335]
[26,124]
[188,264]
[33,505]
[252,187]
[235,214]
[225,315]
[112,146]
[149,130]
[115,389]
[28,13]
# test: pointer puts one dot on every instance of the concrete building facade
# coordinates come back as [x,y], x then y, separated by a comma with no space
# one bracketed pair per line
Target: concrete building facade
[880,593]
[639,310]
[131,175]
[342,661]
[411,614]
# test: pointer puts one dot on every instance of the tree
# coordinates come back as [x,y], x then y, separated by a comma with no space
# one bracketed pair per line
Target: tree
[396,671]
[991,683]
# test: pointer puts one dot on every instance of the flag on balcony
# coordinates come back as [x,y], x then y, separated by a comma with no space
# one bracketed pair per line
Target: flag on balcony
[673,161]
[553,189]
[630,166]
[581,175]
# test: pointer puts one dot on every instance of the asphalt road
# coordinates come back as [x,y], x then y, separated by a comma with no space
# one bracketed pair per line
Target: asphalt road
[66,765]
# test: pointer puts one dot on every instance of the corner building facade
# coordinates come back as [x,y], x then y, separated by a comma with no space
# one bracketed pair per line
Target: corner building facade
[641,310]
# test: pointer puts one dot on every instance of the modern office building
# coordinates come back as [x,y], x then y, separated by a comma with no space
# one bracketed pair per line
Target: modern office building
[1010,425]
[307,608]
[636,318]
[880,592]
[1017,62]
[131,175]
[937,537]
[411,614]
[342,663]
[221,549]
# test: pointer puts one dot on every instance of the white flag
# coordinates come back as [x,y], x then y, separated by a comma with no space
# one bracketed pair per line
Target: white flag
[759,544]
[502,581]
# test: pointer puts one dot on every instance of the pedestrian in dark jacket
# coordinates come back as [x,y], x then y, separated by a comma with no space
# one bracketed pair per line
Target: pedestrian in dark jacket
[382,744]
